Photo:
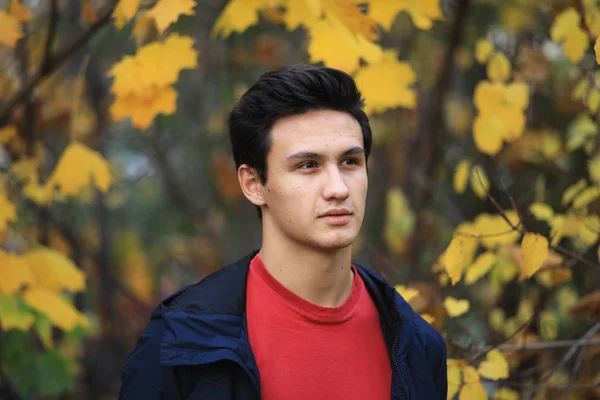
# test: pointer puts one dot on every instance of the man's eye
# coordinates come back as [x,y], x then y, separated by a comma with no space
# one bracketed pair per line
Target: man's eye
[307,165]
[350,161]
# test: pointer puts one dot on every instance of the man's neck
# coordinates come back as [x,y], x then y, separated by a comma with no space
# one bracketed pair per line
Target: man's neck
[322,278]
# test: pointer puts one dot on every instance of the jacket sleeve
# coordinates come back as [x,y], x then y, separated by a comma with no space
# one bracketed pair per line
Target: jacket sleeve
[142,376]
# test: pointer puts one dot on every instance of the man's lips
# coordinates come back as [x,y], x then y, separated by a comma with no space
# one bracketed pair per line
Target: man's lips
[336,213]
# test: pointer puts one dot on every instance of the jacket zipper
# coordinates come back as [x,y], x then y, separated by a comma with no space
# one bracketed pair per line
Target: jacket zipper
[402,381]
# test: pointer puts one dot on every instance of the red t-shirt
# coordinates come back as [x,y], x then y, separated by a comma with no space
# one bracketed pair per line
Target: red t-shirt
[305,351]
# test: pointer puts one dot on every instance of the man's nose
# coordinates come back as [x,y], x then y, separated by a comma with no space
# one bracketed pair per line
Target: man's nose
[335,186]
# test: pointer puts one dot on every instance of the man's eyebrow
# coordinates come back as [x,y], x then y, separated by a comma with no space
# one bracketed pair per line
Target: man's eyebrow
[309,154]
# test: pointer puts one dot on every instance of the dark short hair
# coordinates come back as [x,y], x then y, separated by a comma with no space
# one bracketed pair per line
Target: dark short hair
[290,90]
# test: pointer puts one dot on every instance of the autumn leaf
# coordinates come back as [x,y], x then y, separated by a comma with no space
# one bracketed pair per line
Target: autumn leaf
[125,11]
[572,191]
[495,230]
[480,267]
[586,196]
[565,29]
[156,64]
[332,43]
[302,12]
[14,273]
[407,293]
[386,84]
[541,211]
[460,252]
[494,367]
[597,50]
[13,315]
[350,15]
[238,15]
[165,12]
[461,176]
[143,109]
[505,393]
[400,219]
[472,388]
[20,11]
[55,307]
[10,29]
[456,307]
[422,12]
[454,378]
[483,50]
[480,184]
[498,68]
[7,133]
[80,166]
[535,252]
[54,271]
[428,318]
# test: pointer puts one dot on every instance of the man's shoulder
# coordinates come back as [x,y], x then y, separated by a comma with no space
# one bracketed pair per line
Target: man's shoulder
[222,291]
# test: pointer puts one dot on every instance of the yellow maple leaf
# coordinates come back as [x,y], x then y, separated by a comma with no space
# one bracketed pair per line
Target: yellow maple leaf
[461,176]
[407,293]
[165,12]
[332,43]
[597,50]
[8,212]
[13,315]
[480,267]
[472,388]
[20,11]
[156,64]
[516,95]
[80,166]
[14,273]
[238,15]
[488,133]
[535,252]
[10,29]
[301,12]
[386,84]
[456,307]
[125,11]
[498,68]
[385,12]
[483,50]
[54,271]
[143,109]
[350,15]
[494,367]
[55,307]
[488,95]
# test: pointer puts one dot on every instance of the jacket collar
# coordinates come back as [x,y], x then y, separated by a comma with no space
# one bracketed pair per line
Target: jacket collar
[206,321]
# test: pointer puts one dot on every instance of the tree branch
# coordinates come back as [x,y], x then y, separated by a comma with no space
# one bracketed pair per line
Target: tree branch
[54,61]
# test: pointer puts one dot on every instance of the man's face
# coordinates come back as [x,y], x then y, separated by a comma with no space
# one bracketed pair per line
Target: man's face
[316,184]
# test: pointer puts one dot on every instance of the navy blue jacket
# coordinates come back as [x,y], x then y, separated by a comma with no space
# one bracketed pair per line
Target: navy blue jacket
[196,346]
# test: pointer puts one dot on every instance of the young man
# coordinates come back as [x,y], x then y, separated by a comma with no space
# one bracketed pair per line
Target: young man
[296,320]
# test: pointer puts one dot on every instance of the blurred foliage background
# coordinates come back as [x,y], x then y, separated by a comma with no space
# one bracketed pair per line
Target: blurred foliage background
[119,186]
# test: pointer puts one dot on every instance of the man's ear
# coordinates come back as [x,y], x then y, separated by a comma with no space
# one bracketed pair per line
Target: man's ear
[250,184]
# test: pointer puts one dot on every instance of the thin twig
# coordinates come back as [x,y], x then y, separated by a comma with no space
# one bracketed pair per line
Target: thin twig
[55,61]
